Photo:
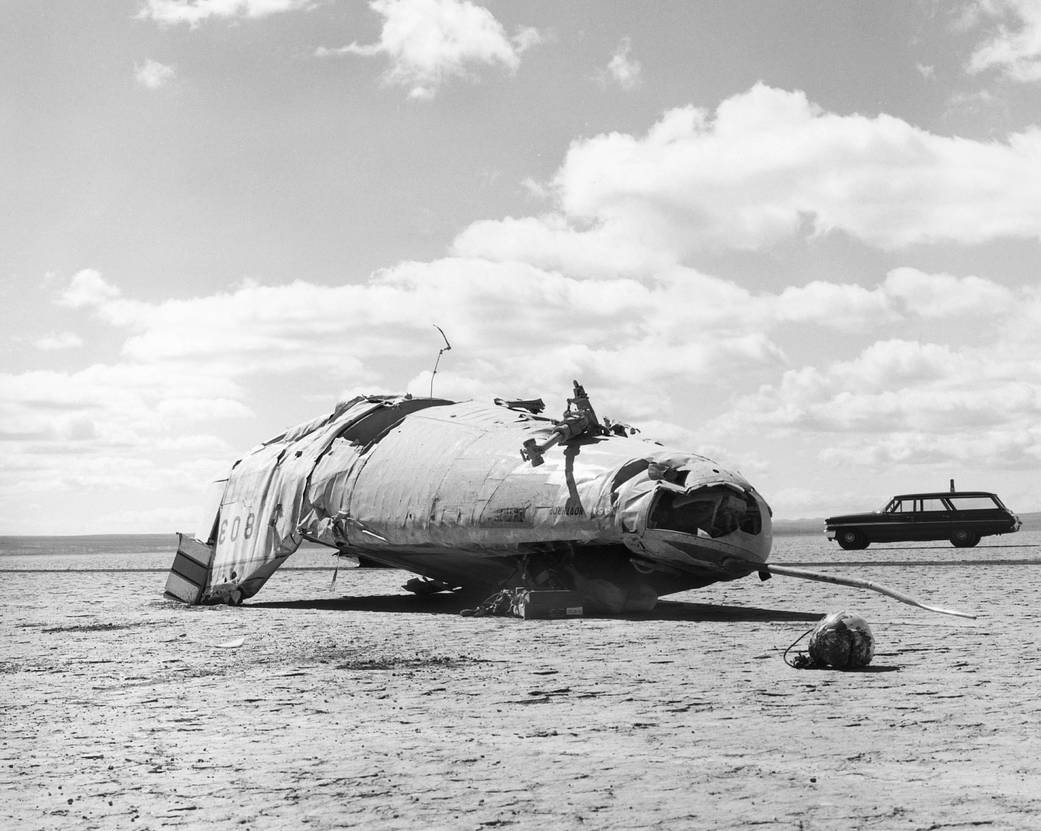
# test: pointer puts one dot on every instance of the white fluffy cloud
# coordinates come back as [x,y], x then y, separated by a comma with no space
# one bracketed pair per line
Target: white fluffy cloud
[641,347]
[508,314]
[194,12]
[1014,48]
[111,434]
[769,164]
[87,288]
[944,295]
[124,402]
[1018,448]
[60,340]
[429,42]
[551,242]
[909,402]
[623,69]
[514,320]
[154,75]
[600,289]
[907,385]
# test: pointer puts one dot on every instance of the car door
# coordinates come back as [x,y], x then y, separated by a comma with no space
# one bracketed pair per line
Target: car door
[898,521]
[932,519]
[979,513]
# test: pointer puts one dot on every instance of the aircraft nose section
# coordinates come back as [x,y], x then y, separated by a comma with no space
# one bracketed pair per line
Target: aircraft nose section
[715,511]
[710,521]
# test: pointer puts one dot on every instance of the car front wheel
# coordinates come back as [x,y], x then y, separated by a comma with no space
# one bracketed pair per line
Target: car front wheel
[851,539]
[964,538]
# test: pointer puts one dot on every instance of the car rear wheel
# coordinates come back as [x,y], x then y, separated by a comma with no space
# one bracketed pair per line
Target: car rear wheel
[851,539]
[964,538]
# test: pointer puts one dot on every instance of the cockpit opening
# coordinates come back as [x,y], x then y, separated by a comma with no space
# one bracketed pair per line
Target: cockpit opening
[716,511]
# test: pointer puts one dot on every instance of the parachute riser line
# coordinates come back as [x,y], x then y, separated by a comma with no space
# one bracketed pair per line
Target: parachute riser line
[858,584]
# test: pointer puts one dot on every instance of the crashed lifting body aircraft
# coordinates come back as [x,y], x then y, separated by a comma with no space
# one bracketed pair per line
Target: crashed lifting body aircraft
[484,497]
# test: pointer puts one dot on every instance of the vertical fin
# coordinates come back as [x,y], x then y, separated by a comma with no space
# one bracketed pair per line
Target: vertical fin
[190,573]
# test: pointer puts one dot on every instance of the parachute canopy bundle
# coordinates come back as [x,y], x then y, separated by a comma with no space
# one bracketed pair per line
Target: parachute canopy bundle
[841,640]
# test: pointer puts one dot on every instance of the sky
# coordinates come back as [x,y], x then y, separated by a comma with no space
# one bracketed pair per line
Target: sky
[802,238]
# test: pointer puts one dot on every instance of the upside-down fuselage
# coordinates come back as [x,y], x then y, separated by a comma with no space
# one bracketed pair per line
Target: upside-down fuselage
[444,490]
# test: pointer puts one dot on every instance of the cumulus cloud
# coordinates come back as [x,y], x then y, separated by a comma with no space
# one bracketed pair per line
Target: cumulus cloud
[108,435]
[944,295]
[154,75]
[651,348]
[551,242]
[488,308]
[131,395]
[769,164]
[677,321]
[516,331]
[1011,449]
[58,341]
[87,288]
[623,69]
[601,288]
[194,12]
[1014,48]
[430,42]
[185,408]
[535,327]
[907,401]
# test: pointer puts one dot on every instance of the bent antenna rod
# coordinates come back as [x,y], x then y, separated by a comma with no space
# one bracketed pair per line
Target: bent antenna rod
[447,347]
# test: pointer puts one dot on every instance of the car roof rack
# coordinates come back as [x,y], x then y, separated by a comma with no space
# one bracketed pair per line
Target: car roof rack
[941,494]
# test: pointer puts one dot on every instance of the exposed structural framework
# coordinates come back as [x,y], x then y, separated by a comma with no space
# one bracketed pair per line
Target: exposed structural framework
[487,498]
[483,496]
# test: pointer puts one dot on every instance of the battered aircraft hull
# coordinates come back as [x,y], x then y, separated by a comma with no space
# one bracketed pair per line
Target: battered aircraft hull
[484,497]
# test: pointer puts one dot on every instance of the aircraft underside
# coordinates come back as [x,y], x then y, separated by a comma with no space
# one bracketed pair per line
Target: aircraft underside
[608,577]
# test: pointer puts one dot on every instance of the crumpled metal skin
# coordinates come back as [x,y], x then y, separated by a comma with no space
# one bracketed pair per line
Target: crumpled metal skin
[441,489]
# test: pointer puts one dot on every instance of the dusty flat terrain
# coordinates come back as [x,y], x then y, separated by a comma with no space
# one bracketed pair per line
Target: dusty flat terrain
[355,705]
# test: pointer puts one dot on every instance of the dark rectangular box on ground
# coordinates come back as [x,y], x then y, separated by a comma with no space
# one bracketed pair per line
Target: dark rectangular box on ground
[550,603]
[191,570]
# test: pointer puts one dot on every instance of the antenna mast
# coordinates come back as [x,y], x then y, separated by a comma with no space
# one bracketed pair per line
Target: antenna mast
[441,352]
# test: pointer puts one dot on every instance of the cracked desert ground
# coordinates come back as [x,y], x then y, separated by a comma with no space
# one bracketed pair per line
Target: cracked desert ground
[355,705]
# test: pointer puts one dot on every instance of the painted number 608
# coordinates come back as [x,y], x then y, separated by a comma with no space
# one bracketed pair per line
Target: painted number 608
[236,526]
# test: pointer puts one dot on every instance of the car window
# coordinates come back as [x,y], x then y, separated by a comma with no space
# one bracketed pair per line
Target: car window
[900,506]
[931,505]
[972,503]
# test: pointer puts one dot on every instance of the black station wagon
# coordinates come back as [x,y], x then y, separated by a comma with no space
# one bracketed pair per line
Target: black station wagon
[961,517]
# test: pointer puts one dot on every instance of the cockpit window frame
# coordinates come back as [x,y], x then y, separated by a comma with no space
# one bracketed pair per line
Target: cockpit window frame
[660,509]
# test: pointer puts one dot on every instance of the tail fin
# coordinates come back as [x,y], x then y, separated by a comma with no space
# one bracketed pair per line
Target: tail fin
[190,572]
[252,523]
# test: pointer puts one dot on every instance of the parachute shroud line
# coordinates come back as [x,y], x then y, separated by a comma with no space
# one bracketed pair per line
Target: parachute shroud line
[859,584]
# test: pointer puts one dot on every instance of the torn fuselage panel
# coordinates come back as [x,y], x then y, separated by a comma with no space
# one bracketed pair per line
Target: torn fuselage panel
[258,525]
[445,494]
